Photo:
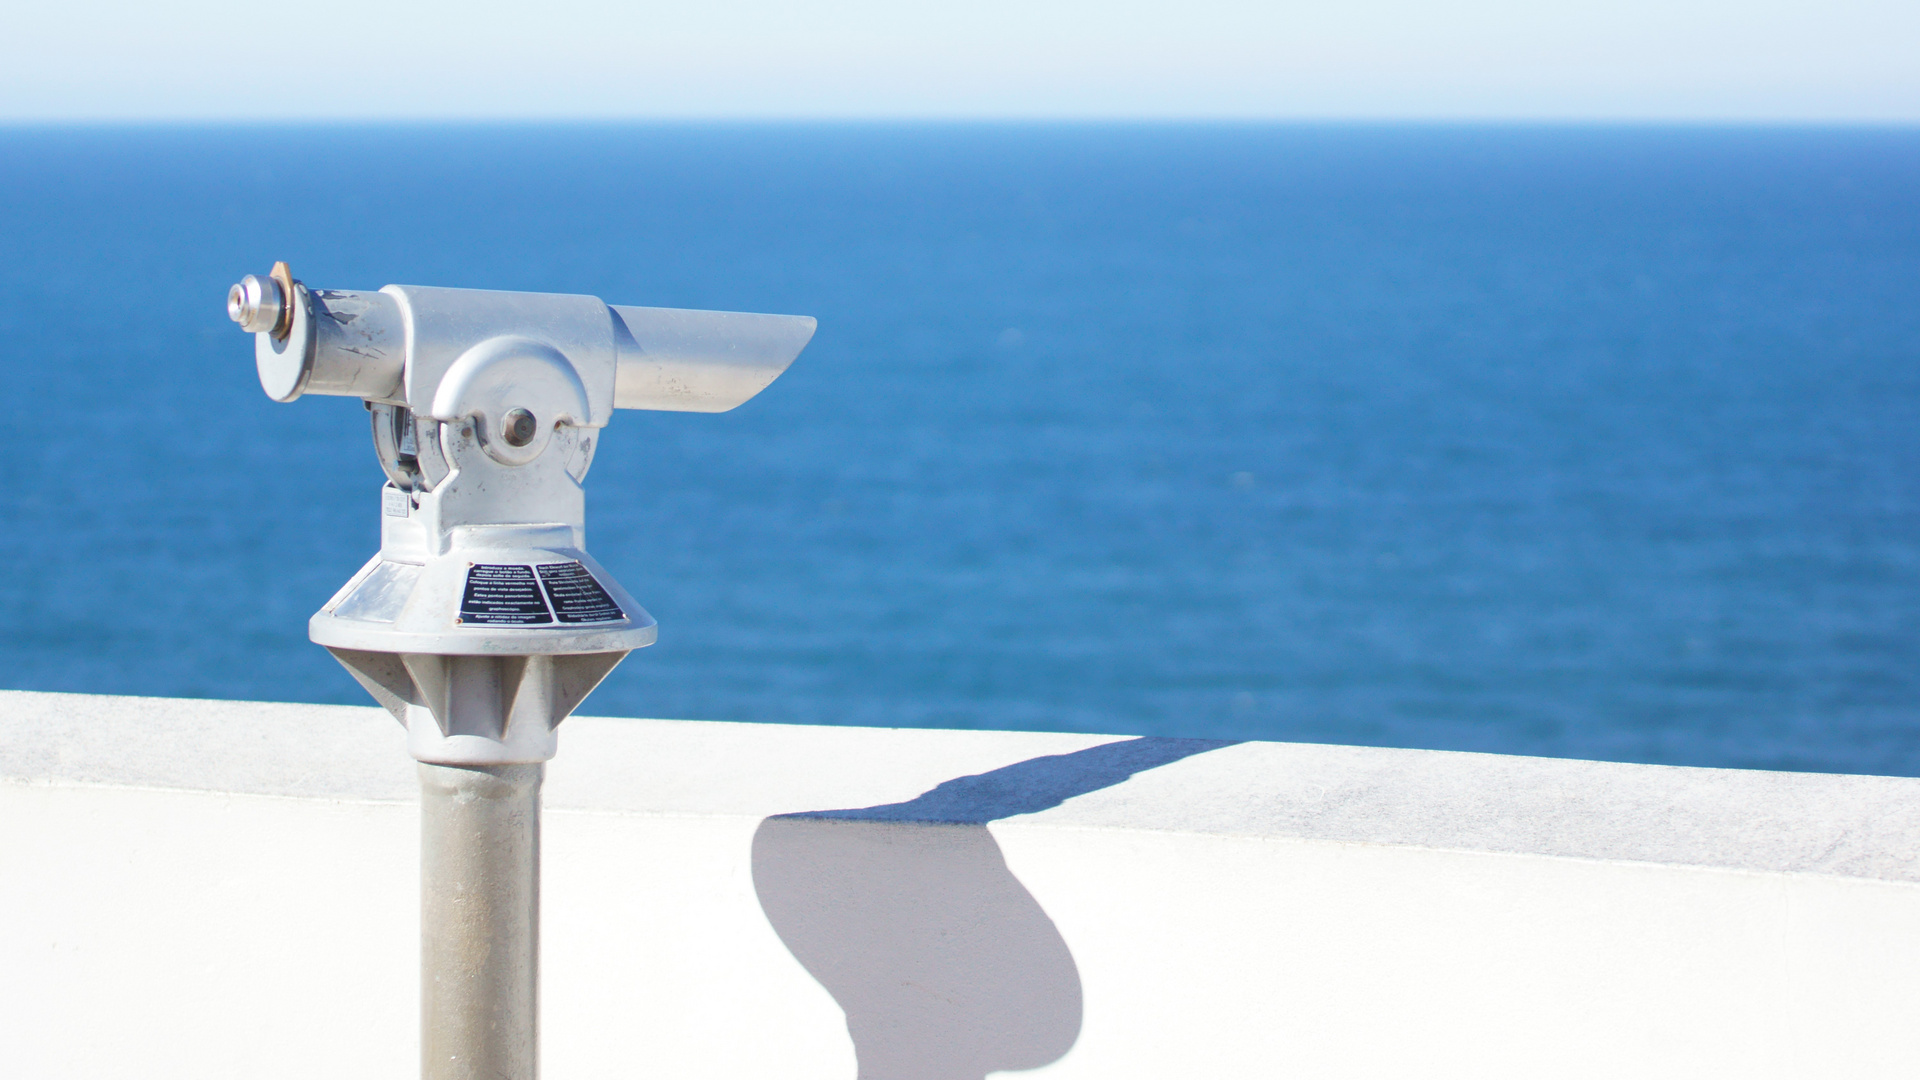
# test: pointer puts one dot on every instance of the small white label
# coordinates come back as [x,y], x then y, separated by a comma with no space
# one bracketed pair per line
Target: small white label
[395,503]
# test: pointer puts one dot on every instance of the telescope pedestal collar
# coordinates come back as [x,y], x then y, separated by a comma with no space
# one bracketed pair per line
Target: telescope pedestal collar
[482,651]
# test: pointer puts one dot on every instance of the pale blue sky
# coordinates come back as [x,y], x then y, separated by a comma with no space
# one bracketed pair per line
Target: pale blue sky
[1464,59]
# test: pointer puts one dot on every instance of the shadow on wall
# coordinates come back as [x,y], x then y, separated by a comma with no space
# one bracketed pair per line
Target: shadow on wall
[946,967]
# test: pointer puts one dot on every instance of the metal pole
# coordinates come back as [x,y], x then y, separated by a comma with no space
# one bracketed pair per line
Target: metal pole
[479,921]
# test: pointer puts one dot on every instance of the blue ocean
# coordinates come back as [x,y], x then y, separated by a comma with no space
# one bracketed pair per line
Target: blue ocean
[1581,441]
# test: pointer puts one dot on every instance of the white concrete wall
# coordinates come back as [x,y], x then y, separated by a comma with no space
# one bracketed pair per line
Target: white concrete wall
[223,889]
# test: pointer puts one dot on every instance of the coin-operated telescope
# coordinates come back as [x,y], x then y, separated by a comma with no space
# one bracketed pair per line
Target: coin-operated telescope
[482,623]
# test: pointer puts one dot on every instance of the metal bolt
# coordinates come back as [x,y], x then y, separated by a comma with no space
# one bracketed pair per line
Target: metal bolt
[257,304]
[519,427]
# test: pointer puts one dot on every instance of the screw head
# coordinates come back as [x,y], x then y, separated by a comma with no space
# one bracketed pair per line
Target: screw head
[518,427]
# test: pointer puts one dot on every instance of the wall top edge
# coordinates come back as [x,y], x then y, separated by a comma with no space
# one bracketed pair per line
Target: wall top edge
[1743,820]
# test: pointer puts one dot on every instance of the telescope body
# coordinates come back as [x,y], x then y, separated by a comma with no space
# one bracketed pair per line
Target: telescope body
[396,344]
[482,622]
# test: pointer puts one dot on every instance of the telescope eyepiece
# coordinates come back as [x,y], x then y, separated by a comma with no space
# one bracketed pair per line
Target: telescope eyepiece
[258,304]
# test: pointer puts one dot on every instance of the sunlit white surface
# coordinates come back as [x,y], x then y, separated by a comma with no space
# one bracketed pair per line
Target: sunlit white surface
[227,889]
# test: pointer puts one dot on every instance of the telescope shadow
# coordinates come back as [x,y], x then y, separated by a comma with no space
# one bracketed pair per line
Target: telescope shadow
[946,966]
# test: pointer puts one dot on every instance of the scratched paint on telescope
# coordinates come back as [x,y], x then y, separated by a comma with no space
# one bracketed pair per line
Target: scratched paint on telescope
[498,595]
